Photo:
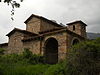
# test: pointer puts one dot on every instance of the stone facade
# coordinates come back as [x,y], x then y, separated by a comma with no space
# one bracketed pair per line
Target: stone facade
[33,46]
[45,37]
[33,25]
[38,24]
[78,27]
[15,44]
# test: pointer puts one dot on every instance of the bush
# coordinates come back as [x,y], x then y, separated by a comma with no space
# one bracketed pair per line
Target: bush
[38,69]
[32,58]
[84,59]
[1,71]
[27,53]
[23,64]
[56,69]
[1,51]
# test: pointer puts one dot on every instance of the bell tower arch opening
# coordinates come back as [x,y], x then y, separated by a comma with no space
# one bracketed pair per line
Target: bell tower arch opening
[51,51]
[75,41]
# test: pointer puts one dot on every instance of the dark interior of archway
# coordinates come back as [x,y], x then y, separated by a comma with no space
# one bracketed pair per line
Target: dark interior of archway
[75,41]
[51,51]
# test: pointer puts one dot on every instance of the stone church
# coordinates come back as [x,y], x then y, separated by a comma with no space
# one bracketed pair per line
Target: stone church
[45,37]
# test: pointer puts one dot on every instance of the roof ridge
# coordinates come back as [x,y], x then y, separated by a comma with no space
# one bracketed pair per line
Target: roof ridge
[76,22]
[41,17]
[23,31]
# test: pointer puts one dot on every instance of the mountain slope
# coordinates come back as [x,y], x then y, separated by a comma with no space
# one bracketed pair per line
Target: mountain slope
[93,35]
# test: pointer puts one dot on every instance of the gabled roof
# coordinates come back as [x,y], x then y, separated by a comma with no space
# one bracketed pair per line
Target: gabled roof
[22,31]
[51,30]
[40,17]
[57,30]
[79,21]
[43,34]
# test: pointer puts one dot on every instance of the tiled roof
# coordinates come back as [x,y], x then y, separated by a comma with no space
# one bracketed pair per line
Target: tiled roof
[22,31]
[40,17]
[51,32]
[76,22]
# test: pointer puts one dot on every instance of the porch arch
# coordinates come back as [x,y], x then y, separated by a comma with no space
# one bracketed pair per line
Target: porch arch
[51,51]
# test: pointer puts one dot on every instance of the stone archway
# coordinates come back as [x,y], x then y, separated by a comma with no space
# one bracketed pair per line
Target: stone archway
[75,41]
[51,51]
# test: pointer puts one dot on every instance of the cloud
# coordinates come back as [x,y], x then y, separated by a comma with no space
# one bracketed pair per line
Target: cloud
[63,11]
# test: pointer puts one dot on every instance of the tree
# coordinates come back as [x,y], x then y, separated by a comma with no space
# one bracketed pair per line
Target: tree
[84,59]
[14,5]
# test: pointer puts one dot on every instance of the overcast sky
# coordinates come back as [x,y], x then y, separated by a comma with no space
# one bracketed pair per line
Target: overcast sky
[63,11]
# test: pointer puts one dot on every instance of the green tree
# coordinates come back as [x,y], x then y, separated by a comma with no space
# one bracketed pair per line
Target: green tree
[14,5]
[84,59]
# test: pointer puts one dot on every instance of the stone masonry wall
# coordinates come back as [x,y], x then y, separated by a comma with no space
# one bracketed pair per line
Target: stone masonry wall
[64,42]
[46,26]
[33,25]
[33,46]
[61,38]
[15,45]
[70,38]
[37,25]
[79,29]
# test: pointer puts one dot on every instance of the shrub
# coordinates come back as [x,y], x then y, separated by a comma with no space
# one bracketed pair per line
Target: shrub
[38,69]
[54,70]
[1,51]
[1,71]
[32,58]
[23,64]
[27,53]
[84,59]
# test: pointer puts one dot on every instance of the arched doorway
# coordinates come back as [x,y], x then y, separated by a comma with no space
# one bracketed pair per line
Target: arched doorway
[51,51]
[75,41]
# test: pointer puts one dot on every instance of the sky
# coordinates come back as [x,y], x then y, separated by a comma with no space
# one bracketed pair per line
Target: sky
[63,11]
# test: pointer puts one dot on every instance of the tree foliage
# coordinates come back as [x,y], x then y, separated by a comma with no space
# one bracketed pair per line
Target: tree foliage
[84,59]
[14,5]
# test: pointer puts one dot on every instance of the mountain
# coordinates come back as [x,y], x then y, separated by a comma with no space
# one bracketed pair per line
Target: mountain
[93,35]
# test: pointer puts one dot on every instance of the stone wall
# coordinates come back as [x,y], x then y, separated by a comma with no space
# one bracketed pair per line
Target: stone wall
[71,37]
[33,46]
[79,29]
[37,25]
[64,39]
[15,44]
[33,25]
[61,38]
[46,26]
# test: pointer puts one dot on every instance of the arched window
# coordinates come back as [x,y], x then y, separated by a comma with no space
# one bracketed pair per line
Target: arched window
[75,41]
